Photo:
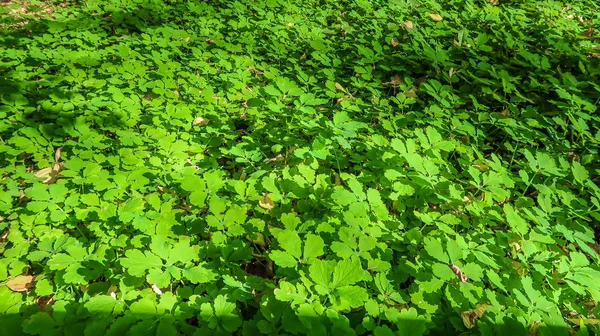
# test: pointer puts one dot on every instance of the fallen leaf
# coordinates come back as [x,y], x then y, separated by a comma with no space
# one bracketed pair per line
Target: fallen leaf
[459,273]
[200,121]
[20,283]
[436,17]
[57,154]
[266,202]
[209,40]
[587,33]
[580,18]
[395,42]
[493,2]
[469,317]
[407,24]
[566,9]
[395,81]
[49,174]
[156,289]
[44,301]
[275,159]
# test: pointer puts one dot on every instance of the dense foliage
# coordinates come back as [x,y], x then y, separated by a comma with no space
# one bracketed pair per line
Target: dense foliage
[395,167]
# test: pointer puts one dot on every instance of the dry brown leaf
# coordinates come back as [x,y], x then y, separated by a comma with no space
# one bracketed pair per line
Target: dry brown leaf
[469,317]
[407,24]
[20,283]
[44,301]
[209,40]
[200,121]
[49,174]
[395,42]
[587,33]
[459,273]
[266,202]
[57,154]
[493,2]
[395,81]
[566,9]
[275,159]
[436,17]
[580,18]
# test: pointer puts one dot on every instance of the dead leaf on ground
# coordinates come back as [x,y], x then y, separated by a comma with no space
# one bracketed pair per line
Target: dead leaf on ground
[21,283]
[436,17]
[493,2]
[459,273]
[266,202]
[395,42]
[587,33]
[200,121]
[469,317]
[566,9]
[407,24]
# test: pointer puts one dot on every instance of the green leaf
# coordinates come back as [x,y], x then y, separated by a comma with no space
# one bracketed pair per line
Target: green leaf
[224,310]
[313,248]
[40,323]
[515,221]
[137,263]
[199,274]
[347,272]
[579,172]
[343,197]
[434,248]
[103,305]
[61,261]
[283,259]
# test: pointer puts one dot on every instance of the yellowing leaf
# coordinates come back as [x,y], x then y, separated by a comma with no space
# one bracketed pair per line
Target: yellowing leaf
[395,42]
[266,202]
[412,93]
[436,17]
[469,317]
[587,321]
[200,121]
[20,283]
[407,25]
[340,87]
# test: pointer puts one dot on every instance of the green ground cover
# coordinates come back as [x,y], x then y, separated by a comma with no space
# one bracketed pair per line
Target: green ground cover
[297,167]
